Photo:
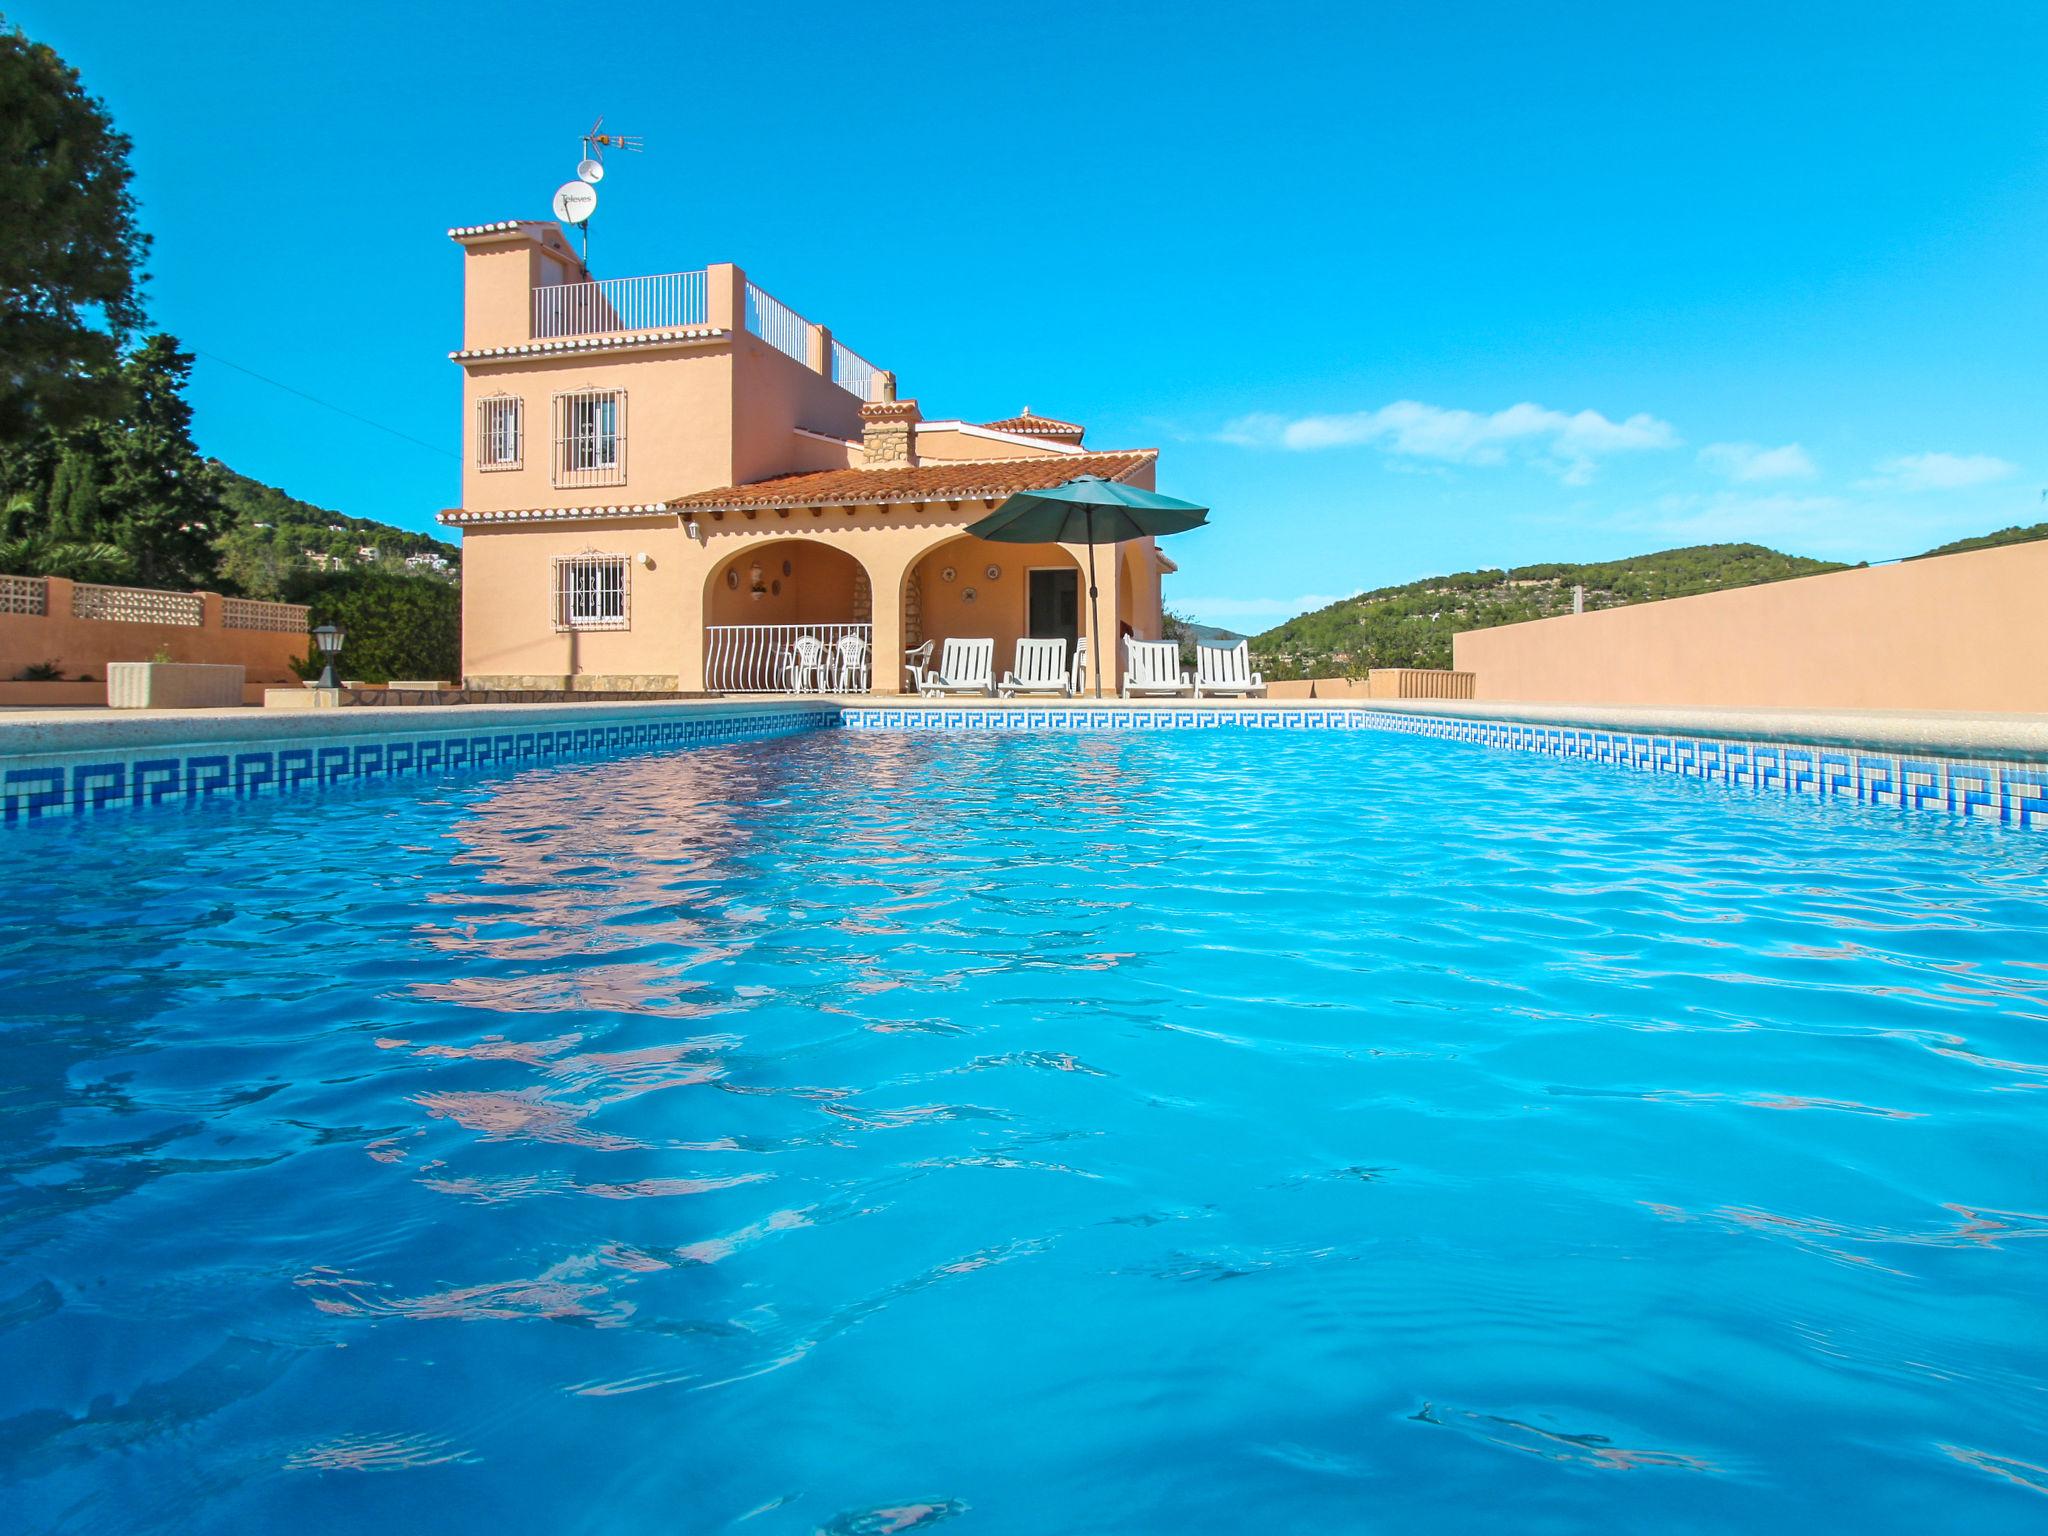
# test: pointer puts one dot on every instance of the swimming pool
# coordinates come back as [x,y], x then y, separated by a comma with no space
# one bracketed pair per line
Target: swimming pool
[1191,1132]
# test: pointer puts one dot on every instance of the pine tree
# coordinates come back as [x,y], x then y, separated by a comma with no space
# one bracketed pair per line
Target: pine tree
[72,509]
[70,251]
[157,500]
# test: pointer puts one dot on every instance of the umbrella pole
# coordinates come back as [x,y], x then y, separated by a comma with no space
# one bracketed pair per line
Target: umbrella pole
[1094,609]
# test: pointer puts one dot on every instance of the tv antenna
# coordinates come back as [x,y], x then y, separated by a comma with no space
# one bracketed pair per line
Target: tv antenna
[575,201]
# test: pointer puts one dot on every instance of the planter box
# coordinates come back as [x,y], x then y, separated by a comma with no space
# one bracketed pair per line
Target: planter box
[173,685]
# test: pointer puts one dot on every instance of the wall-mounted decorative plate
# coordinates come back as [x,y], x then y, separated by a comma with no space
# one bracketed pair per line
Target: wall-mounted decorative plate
[732,578]
[947,574]
[994,573]
[967,594]
[775,586]
[786,570]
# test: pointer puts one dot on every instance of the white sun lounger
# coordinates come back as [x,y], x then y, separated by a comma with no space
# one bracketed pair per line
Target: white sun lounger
[1226,671]
[1041,668]
[1152,669]
[965,666]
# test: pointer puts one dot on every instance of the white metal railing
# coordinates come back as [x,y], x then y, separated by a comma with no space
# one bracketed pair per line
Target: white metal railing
[777,324]
[24,594]
[618,304]
[137,605]
[788,658]
[277,618]
[853,373]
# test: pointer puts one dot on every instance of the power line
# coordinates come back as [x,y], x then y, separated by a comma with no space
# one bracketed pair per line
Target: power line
[328,404]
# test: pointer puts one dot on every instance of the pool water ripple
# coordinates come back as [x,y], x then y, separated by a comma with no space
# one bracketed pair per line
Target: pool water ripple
[859,1133]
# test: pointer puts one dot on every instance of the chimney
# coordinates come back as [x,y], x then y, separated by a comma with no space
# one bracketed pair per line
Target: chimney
[888,429]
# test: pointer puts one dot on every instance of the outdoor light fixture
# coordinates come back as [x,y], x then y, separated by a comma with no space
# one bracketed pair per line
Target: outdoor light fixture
[329,637]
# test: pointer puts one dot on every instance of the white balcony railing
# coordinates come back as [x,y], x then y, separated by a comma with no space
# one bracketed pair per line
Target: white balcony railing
[788,658]
[777,324]
[853,373]
[614,304]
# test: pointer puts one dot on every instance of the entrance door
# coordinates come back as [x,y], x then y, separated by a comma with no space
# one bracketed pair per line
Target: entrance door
[1055,600]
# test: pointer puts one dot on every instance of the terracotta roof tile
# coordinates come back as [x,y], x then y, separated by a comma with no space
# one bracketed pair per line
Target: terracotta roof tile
[935,481]
[1038,426]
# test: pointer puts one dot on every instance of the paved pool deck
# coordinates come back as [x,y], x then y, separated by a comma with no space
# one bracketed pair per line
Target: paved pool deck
[32,732]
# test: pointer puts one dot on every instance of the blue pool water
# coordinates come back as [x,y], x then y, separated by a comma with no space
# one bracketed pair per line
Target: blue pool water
[1214,1132]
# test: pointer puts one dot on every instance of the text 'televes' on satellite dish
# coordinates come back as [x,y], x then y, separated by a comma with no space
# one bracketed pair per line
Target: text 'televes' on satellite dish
[575,201]
[591,171]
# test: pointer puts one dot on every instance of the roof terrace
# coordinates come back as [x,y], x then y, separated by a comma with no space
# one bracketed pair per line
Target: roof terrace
[563,314]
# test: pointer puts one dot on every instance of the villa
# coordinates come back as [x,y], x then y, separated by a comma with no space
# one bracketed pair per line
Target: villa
[668,479]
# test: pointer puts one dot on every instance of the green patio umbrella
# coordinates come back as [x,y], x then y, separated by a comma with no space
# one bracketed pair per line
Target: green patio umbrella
[1088,510]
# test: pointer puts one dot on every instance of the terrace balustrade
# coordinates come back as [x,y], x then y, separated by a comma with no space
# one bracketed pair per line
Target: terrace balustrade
[767,658]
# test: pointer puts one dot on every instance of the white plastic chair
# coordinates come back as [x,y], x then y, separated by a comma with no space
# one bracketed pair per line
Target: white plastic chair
[803,668]
[916,662]
[1041,668]
[1226,671]
[965,666]
[1152,670]
[850,665]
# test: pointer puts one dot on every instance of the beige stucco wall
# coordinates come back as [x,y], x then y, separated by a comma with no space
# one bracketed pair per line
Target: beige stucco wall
[508,597]
[499,273]
[1000,608]
[678,423]
[949,445]
[89,645]
[1963,632]
[808,581]
[772,394]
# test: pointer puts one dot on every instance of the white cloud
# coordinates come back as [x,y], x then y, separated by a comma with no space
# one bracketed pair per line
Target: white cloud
[1220,610]
[1568,444]
[1936,472]
[1787,522]
[1829,527]
[1747,463]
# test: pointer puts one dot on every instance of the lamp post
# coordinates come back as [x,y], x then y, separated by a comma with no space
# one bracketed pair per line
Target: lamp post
[329,637]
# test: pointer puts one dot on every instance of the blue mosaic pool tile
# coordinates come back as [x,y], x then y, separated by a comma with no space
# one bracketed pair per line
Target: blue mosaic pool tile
[2006,793]
[85,784]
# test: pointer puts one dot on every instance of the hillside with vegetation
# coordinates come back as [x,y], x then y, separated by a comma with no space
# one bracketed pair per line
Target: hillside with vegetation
[2016,535]
[1412,625]
[268,540]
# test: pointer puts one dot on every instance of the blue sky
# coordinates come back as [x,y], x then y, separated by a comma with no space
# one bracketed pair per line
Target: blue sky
[1397,288]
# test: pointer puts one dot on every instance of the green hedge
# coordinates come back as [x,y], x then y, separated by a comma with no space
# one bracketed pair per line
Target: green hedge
[397,626]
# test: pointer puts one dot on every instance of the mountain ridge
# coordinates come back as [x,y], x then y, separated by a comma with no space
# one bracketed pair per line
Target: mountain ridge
[1411,624]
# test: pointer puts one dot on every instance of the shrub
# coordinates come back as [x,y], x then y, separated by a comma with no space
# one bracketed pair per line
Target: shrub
[396,626]
[40,672]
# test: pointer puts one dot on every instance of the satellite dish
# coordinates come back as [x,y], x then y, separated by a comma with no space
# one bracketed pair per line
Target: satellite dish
[591,171]
[575,201]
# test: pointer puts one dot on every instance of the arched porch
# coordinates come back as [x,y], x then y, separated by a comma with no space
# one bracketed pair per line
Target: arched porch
[782,615]
[1037,591]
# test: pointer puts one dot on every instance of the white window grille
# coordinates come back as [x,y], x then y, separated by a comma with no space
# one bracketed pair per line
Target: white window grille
[591,592]
[500,432]
[590,437]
